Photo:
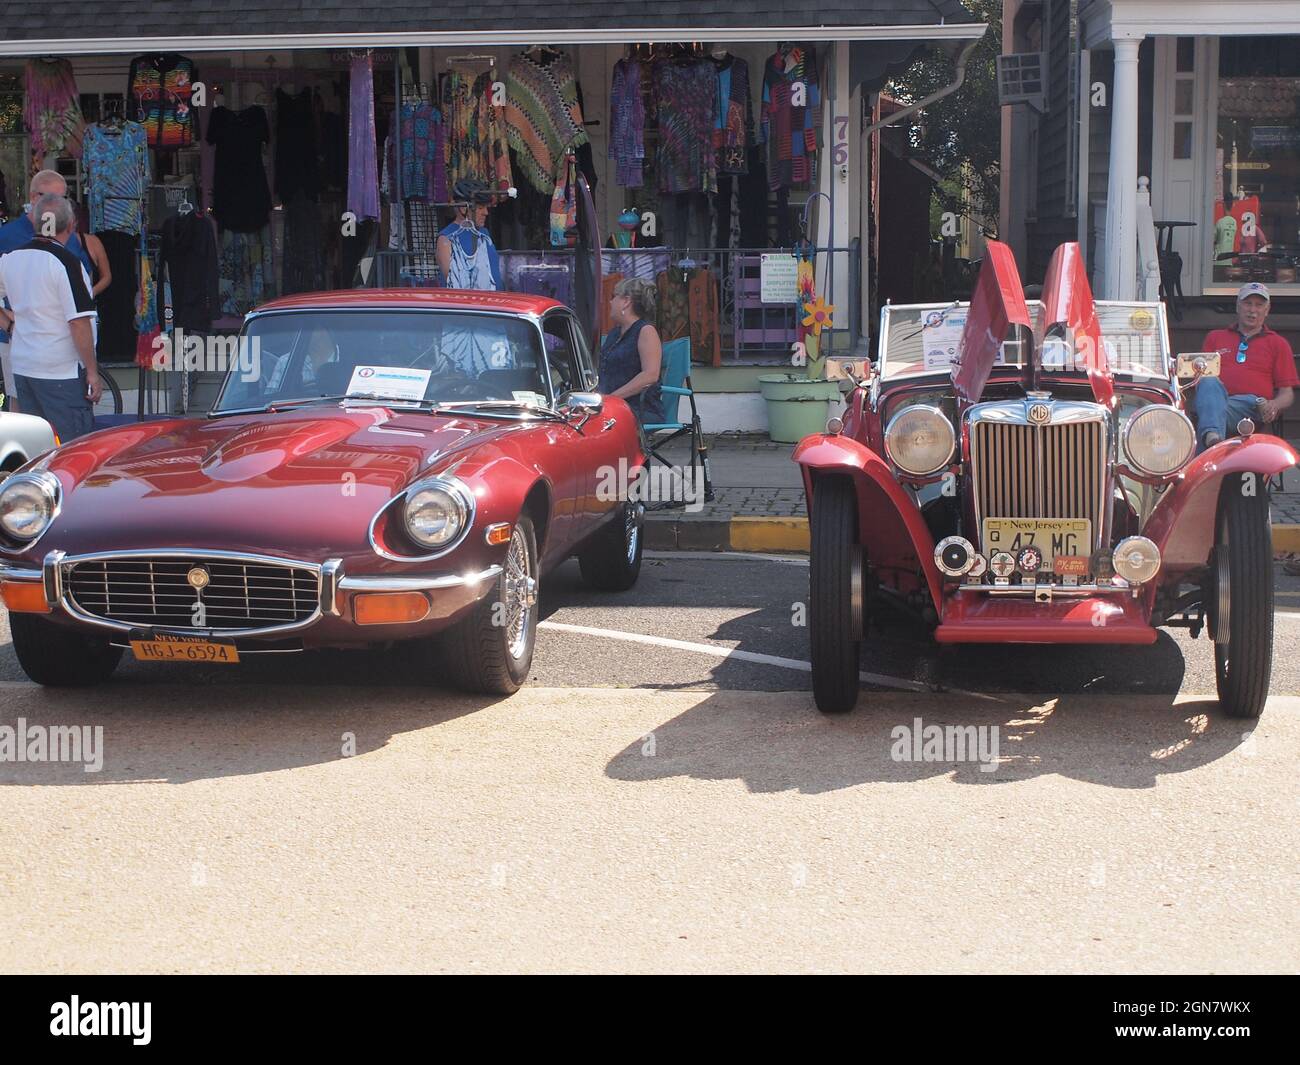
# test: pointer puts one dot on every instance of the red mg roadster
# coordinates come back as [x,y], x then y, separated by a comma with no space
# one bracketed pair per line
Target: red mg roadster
[1026,472]
[378,466]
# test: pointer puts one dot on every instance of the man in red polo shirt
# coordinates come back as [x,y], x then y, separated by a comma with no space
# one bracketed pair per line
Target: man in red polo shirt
[1257,374]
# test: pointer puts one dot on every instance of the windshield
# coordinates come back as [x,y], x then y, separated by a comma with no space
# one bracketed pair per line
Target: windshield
[924,338]
[398,356]
[921,339]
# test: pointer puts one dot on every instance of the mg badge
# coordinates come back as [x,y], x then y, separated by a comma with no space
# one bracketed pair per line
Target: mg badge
[198,578]
[1040,414]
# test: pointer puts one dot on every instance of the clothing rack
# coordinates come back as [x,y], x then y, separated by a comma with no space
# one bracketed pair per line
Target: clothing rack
[490,60]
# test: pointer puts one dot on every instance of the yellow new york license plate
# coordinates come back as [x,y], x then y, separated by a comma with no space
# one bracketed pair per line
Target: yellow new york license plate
[163,648]
[1052,536]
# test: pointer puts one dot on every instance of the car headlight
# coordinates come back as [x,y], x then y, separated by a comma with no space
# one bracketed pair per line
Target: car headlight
[920,440]
[1159,440]
[27,504]
[438,511]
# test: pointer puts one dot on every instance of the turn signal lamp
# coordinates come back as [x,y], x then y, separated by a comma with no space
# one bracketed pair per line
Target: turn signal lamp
[390,608]
[25,597]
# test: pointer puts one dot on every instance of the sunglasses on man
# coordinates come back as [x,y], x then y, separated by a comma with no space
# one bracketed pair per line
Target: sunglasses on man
[1241,351]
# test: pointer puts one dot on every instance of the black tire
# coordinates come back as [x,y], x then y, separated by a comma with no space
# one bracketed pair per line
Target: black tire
[1244,550]
[111,401]
[835,634]
[611,560]
[59,657]
[477,652]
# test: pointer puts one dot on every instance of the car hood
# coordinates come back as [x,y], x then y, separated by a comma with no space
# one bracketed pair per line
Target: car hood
[304,483]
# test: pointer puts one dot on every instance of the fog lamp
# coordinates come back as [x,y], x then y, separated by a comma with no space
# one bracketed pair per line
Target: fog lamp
[1136,559]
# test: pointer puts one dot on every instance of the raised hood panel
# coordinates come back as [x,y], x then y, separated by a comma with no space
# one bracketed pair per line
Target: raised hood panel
[997,304]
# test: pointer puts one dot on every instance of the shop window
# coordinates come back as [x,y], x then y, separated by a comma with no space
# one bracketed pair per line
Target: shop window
[1182,140]
[1186,59]
[1256,184]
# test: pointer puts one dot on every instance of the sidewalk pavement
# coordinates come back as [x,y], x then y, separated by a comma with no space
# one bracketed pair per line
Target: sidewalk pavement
[758,502]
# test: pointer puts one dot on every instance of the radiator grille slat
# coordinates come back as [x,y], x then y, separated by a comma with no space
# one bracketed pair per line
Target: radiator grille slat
[1051,471]
[148,592]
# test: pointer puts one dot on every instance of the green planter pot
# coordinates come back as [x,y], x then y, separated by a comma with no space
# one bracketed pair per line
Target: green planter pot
[796,405]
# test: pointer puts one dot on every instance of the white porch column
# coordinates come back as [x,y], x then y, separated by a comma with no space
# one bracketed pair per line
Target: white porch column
[1121,195]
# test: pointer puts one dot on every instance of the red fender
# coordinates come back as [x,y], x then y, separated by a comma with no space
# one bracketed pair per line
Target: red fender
[892,528]
[1182,525]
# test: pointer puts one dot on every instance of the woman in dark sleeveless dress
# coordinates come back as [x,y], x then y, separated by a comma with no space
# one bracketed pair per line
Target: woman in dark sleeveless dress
[631,354]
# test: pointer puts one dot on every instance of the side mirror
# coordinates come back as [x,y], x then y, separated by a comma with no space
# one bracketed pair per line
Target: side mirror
[584,404]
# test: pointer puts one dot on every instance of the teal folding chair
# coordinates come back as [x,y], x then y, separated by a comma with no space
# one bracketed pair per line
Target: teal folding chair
[675,385]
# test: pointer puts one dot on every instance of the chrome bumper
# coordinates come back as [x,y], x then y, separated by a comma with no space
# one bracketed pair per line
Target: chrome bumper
[332,581]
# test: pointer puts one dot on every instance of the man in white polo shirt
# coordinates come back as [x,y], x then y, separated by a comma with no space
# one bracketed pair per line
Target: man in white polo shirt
[53,323]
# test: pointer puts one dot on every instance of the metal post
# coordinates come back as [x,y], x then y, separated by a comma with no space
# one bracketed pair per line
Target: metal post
[395,131]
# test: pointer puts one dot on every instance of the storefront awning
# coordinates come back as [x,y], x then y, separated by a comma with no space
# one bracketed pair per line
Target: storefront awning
[130,26]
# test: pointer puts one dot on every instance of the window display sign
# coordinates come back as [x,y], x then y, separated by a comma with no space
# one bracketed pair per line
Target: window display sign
[779,279]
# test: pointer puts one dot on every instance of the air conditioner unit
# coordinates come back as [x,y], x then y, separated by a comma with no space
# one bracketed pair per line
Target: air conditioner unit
[1022,79]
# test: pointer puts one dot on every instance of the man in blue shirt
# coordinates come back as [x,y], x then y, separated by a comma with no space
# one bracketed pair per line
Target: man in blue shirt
[15,234]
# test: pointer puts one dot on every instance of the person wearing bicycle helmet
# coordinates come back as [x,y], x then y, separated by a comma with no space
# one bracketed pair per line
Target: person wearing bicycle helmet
[466,255]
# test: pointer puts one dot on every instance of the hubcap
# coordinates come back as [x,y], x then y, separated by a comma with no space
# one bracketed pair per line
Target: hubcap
[520,594]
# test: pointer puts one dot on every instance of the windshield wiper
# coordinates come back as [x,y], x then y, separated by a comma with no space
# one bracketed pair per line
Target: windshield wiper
[502,405]
[387,401]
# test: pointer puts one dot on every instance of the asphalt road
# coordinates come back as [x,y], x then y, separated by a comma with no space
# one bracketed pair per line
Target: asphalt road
[333,812]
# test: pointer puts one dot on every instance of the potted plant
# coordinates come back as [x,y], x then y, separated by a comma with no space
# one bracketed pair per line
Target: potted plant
[799,403]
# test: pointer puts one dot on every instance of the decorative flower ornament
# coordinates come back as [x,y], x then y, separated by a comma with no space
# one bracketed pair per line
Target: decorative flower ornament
[818,315]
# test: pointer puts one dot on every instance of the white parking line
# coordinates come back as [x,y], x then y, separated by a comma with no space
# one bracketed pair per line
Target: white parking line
[729,652]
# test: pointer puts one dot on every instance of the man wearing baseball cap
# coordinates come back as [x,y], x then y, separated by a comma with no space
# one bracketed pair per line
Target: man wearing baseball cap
[1257,373]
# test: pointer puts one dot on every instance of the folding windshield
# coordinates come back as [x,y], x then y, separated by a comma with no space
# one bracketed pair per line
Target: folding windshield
[413,356]
[918,339]
[924,338]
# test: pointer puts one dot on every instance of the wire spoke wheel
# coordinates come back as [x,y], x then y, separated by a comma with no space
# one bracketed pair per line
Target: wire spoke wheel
[520,594]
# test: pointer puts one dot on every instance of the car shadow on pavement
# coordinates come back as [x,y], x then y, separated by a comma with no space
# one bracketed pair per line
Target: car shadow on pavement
[772,742]
[259,717]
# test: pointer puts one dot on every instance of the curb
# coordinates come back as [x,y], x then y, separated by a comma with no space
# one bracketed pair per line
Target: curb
[778,535]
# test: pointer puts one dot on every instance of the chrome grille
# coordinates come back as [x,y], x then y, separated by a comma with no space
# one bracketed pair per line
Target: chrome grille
[1049,471]
[156,592]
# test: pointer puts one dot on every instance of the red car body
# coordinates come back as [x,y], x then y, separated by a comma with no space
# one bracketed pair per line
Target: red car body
[895,527]
[313,487]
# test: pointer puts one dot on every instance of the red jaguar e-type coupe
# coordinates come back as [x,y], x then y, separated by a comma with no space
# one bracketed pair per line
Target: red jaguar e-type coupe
[379,466]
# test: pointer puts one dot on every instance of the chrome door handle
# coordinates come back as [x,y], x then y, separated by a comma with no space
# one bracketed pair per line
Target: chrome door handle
[608,425]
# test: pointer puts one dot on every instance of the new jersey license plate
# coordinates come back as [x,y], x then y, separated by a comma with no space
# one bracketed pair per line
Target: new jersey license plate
[164,647]
[1052,536]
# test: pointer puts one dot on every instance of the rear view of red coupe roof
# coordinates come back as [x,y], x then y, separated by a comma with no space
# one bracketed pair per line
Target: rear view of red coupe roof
[414,298]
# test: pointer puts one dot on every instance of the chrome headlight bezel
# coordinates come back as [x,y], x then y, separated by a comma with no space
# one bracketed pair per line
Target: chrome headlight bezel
[1140,421]
[942,423]
[49,491]
[460,505]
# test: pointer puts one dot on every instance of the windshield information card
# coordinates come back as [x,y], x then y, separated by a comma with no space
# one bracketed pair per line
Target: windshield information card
[388,382]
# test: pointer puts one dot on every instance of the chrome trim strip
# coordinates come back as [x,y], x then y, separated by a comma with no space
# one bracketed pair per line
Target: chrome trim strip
[60,565]
[329,586]
[363,583]
[1058,590]
[10,572]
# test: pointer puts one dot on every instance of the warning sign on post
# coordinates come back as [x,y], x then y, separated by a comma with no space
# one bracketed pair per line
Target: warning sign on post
[779,279]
